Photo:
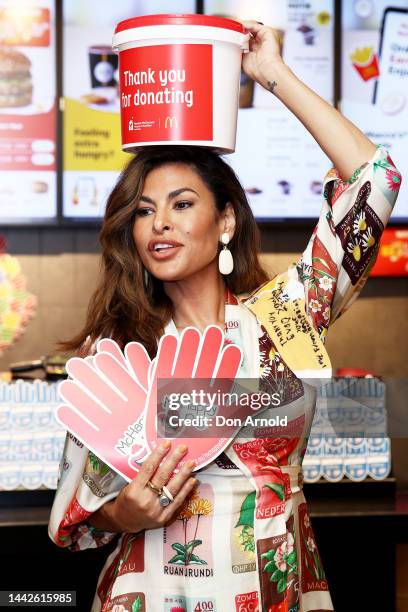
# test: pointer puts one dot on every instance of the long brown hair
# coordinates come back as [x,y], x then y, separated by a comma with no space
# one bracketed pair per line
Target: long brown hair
[124,306]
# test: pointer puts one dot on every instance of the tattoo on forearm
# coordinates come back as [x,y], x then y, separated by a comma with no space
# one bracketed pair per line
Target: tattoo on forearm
[272,85]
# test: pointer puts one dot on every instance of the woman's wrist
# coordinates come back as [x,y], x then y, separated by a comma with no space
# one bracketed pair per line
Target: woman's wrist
[105,518]
[275,75]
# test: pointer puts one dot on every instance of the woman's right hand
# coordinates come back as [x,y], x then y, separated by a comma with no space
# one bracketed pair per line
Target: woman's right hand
[265,53]
[137,505]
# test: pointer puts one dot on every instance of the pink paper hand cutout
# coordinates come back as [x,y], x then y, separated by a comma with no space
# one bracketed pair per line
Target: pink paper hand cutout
[192,357]
[139,364]
[188,357]
[105,413]
[112,401]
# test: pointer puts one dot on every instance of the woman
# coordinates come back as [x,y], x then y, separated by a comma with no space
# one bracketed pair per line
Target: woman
[240,538]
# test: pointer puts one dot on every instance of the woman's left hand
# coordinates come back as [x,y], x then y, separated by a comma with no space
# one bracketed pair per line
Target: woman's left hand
[264,55]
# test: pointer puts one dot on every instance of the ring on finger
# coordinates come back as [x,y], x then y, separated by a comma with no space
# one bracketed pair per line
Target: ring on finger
[158,490]
[167,492]
[166,497]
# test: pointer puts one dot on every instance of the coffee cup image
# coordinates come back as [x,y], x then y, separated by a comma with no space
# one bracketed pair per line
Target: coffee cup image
[103,65]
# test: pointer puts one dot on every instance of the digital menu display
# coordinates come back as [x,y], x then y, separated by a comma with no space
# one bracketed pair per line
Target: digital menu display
[27,111]
[375,78]
[279,164]
[92,152]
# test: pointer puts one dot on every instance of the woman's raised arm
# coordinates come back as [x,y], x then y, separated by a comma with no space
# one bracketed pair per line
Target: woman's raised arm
[345,145]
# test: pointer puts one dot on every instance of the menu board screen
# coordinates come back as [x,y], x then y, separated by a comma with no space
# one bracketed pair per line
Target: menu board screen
[375,78]
[279,164]
[27,111]
[92,151]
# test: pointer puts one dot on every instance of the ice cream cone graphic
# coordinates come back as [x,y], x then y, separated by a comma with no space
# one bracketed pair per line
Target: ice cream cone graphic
[366,63]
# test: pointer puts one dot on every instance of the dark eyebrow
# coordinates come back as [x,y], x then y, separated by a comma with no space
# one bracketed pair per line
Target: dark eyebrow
[170,196]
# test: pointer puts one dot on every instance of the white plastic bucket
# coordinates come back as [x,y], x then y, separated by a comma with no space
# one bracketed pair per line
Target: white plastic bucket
[179,80]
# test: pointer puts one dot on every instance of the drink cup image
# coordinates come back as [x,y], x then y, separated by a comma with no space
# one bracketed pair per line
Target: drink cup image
[22,416]
[32,476]
[5,417]
[355,446]
[308,33]
[21,446]
[379,467]
[5,443]
[85,191]
[333,446]
[43,445]
[355,468]
[312,468]
[103,64]
[10,476]
[286,186]
[316,187]
[50,475]
[378,446]
[315,446]
[333,469]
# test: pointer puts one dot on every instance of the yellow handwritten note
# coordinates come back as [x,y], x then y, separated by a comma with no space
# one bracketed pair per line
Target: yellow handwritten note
[287,323]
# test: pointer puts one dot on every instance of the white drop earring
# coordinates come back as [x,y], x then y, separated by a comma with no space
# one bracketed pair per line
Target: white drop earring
[225,260]
[145,277]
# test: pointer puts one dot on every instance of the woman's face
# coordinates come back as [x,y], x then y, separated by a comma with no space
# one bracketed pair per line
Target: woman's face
[177,227]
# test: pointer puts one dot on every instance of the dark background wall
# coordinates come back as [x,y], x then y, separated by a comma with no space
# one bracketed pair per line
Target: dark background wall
[61,266]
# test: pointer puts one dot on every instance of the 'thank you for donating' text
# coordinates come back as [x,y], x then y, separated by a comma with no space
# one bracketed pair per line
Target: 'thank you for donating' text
[166,79]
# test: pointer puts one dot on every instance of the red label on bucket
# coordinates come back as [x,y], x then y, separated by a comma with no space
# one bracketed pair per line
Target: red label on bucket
[166,93]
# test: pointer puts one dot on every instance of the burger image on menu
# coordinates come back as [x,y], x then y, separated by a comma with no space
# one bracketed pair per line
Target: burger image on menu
[16,88]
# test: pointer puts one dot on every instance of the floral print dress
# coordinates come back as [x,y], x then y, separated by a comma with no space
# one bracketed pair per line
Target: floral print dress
[243,540]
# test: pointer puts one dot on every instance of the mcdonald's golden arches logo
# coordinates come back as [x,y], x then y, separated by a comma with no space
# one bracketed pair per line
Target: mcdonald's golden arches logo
[171,122]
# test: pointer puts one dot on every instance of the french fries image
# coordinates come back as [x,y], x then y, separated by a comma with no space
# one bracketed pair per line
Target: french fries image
[365,61]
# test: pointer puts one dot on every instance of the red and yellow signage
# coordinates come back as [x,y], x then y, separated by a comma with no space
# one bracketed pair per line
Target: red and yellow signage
[393,255]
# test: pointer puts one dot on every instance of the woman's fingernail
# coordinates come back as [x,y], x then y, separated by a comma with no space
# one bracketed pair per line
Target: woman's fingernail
[182,448]
[191,463]
[165,445]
